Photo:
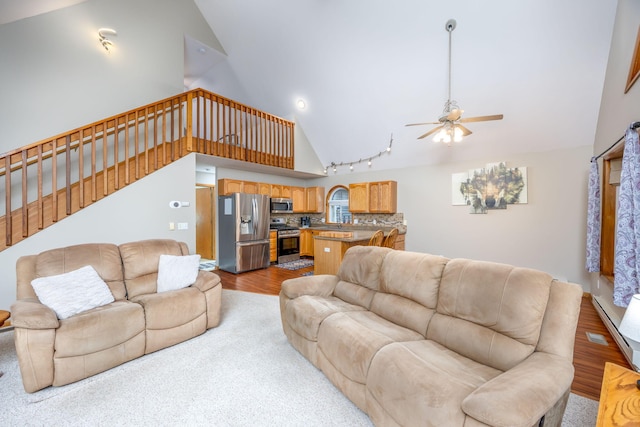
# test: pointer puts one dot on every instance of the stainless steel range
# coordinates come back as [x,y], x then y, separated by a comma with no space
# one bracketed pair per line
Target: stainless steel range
[288,240]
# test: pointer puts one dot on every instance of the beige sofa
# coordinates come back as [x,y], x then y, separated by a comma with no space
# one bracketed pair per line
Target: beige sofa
[53,351]
[418,339]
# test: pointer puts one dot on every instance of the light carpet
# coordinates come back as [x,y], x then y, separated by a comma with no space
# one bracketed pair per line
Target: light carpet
[242,373]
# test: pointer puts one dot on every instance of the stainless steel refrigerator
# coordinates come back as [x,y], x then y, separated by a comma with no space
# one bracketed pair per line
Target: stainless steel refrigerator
[243,232]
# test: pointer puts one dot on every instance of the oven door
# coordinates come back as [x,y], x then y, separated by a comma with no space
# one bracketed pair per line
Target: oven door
[288,248]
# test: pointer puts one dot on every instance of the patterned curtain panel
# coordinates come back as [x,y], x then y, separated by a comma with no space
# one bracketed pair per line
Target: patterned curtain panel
[593,219]
[627,251]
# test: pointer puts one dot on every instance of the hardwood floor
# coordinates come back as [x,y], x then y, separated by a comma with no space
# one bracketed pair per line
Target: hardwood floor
[588,358]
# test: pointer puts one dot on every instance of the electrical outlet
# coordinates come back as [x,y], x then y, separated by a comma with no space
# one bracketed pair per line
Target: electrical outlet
[327,249]
[404,222]
[172,226]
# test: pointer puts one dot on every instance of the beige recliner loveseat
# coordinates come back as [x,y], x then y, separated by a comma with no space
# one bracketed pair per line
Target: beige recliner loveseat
[54,351]
[418,339]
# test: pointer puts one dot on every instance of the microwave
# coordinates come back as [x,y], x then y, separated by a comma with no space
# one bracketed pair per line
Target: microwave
[281,205]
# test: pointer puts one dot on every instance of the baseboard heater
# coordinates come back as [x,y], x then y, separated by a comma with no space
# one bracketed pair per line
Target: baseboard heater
[622,343]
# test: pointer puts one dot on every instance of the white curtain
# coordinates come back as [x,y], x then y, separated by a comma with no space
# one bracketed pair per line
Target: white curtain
[593,219]
[627,250]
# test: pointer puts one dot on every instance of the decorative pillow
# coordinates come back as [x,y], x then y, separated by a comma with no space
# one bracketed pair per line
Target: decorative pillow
[177,272]
[73,292]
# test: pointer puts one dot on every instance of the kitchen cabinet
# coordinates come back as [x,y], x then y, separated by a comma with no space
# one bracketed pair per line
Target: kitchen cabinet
[249,187]
[306,242]
[315,199]
[298,195]
[273,246]
[359,197]
[264,188]
[383,197]
[227,186]
[280,191]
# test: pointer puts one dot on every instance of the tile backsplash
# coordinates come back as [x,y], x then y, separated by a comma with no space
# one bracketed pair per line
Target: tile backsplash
[365,220]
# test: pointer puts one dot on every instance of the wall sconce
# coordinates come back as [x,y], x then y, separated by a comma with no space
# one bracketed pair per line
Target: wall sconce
[102,37]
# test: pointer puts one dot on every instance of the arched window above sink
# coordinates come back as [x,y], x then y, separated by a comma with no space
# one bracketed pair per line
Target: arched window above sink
[338,205]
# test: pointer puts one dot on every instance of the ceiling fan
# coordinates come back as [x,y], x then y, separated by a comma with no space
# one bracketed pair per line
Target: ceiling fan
[450,127]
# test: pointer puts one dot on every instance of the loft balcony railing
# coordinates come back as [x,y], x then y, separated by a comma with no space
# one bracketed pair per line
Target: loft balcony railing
[51,179]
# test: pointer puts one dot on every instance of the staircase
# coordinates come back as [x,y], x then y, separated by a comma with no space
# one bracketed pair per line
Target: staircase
[51,179]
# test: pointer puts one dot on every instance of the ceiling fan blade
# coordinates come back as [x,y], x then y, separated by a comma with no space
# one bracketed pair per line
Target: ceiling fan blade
[455,114]
[425,123]
[482,118]
[434,130]
[464,130]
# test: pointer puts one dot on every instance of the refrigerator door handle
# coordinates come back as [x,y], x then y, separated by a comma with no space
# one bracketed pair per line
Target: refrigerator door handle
[253,242]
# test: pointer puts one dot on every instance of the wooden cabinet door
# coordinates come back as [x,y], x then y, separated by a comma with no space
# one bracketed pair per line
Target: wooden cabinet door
[250,187]
[383,197]
[315,199]
[273,246]
[359,197]
[227,186]
[286,192]
[276,191]
[298,195]
[306,243]
[264,188]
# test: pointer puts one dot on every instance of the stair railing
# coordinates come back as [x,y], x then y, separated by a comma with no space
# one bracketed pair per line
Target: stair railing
[51,179]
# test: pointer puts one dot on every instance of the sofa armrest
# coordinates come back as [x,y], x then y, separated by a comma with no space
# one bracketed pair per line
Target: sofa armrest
[321,285]
[206,280]
[30,313]
[523,394]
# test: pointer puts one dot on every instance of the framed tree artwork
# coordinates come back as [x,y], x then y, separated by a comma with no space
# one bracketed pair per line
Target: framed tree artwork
[634,69]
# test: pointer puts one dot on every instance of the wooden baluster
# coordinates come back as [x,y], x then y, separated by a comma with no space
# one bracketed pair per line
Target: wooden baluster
[54,180]
[67,170]
[40,198]
[136,140]
[105,164]
[81,168]
[146,140]
[127,161]
[189,122]
[7,201]
[94,181]
[116,156]
[25,211]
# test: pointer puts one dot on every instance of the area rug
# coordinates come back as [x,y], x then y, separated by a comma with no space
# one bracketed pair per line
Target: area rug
[296,265]
[242,373]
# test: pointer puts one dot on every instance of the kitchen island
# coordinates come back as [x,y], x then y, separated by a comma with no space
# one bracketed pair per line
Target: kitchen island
[330,246]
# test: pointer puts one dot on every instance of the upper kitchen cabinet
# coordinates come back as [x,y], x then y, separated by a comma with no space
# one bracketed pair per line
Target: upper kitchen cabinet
[359,197]
[227,186]
[298,195]
[264,188]
[383,197]
[280,191]
[315,199]
[250,187]
[373,197]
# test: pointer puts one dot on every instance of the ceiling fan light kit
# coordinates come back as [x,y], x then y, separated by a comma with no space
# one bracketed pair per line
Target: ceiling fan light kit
[449,123]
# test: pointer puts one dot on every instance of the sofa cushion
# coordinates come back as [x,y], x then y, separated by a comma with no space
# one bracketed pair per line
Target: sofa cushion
[409,289]
[106,326]
[411,382]
[140,262]
[489,312]
[170,309]
[74,292]
[349,340]
[361,266]
[177,272]
[103,257]
[305,314]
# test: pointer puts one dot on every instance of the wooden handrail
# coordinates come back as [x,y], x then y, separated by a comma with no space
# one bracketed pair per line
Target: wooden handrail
[58,176]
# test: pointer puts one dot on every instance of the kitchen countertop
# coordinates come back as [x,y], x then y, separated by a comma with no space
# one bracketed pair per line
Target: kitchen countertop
[355,235]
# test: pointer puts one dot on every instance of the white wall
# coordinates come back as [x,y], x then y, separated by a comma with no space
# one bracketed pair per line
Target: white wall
[56,76]
[548,233]
[136,212]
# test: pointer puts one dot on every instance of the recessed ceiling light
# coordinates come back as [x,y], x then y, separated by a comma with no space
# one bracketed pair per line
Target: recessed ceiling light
[301,104]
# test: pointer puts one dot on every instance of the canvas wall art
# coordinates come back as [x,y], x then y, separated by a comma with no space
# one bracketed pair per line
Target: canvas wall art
[493,187]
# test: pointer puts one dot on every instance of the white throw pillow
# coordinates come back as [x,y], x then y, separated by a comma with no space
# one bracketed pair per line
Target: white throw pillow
[177,272]
[73,292]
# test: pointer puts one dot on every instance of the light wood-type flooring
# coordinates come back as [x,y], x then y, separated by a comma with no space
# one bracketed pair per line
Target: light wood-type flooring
[589,358]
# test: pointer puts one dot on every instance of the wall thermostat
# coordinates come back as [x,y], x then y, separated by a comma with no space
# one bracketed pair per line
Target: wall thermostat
[176,204]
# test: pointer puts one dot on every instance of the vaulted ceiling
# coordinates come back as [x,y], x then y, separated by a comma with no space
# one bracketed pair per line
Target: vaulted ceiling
[365,68]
